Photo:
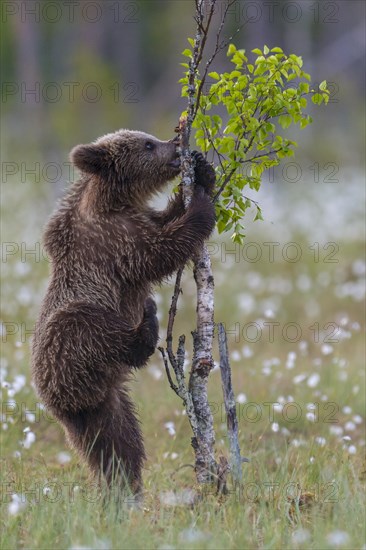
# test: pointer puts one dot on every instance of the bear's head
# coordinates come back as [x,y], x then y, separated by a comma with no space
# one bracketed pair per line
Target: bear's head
[129,165]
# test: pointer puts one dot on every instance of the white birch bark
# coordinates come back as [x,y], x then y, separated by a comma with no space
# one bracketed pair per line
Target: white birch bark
[202,364]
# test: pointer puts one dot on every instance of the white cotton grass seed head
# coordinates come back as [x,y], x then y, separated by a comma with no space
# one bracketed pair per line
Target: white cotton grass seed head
[291,358]
[63,458]
[313,380]
[30,417]
[247,352]
[303,346]
[192,536]
[170,426]
[359,267]
[29,439]
[235,355]
[155,372]
[326,349]
[24,295]
[338,539]
[299,378]
[303,282]
[336,430]
[301,536]
[311,416]
[350,426]
[241,398]
[246,303]
[17,504]
[19,383]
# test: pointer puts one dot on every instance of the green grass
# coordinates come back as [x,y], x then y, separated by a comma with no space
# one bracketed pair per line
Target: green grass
[304,485]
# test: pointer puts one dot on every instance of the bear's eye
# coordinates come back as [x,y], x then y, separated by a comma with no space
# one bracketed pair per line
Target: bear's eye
[149,145]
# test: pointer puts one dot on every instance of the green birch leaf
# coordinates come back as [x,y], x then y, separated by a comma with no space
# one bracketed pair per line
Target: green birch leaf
[323,85]
[187,53]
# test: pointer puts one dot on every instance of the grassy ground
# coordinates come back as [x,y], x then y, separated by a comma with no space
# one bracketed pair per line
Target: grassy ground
[304,486]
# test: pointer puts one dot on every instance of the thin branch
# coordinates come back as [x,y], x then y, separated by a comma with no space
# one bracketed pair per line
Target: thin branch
[231,173]
[223,185]
[165,361]
[172,314]
[205,33]
[252,159]
[218,48]
[181,352]
[218,154]
[229,400]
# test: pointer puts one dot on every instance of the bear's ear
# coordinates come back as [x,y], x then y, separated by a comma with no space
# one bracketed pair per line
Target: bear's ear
[91,158]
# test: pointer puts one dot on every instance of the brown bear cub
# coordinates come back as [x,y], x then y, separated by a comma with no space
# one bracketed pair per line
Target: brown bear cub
[98,320]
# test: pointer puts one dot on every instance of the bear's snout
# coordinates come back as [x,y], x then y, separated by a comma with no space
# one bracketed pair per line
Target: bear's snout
[175,162]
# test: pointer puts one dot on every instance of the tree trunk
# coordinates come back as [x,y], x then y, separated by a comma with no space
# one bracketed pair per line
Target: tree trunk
[202,364]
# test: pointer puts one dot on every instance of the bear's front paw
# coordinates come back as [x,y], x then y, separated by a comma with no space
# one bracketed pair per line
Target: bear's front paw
[150,307]
[204,172]
[150,324]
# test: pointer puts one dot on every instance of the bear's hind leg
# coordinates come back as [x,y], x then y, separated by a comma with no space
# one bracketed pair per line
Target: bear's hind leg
[110,440]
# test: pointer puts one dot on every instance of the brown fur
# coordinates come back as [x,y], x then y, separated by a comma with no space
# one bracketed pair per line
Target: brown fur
[98,320]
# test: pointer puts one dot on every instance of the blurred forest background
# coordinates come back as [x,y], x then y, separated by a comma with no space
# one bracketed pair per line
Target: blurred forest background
[74,70]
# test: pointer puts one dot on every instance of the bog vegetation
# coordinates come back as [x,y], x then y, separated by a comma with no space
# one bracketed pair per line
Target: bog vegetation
[291,297]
